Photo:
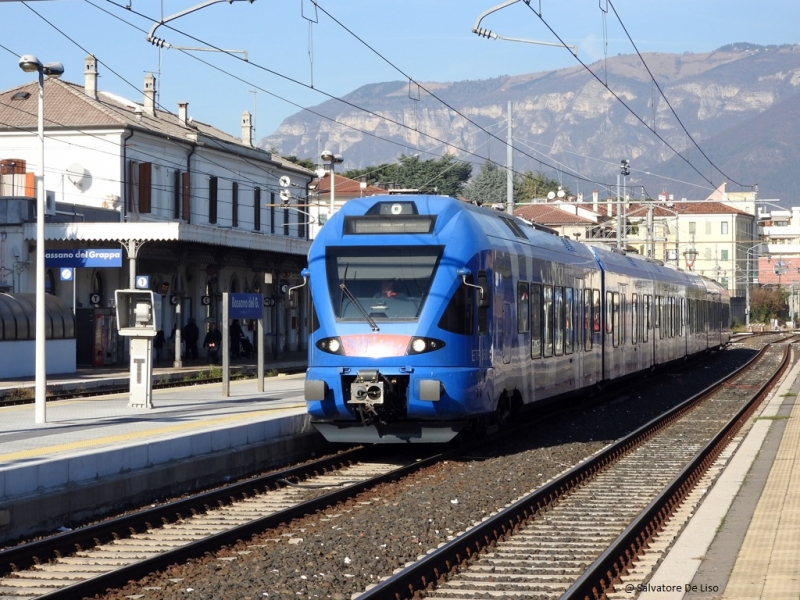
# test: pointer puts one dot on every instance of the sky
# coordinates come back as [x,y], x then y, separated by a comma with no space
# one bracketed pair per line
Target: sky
[299,54]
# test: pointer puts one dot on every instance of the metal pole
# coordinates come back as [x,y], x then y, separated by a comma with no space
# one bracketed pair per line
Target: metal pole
[41,358]
[260,343]
[619,217]
[509,168]
[333,189]
[226,360]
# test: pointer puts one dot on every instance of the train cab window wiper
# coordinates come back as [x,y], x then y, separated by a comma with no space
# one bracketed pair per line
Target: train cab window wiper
[357,304]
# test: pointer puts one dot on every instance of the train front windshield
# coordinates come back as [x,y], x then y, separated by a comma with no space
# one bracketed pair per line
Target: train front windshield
[384,282]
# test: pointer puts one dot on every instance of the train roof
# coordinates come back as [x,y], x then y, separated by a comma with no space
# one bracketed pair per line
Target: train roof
[446,218]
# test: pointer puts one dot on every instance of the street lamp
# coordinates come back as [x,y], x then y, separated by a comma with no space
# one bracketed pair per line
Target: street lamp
[333,159]
[30,64]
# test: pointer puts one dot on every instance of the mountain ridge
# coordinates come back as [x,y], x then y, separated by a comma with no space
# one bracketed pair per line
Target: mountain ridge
[567,117]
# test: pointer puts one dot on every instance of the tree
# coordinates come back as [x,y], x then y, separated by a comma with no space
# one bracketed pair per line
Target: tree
[306,163]
[489,186]
[445,175]
[768,303]
[534,185]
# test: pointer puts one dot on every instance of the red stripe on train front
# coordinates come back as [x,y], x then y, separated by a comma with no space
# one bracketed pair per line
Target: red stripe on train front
[375,345]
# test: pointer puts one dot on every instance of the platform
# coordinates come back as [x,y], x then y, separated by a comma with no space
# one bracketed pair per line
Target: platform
[95,451]
[743,541]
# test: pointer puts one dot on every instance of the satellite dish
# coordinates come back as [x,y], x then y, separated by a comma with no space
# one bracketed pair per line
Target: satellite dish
[79,176]
[286,195]
[397,209]
[285,181]
[560,193]
[321,173]
[551,195]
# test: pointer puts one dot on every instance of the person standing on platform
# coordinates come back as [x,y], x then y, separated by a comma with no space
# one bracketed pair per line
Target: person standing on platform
[158,344]
[191,334]
[236,334]
[213,342]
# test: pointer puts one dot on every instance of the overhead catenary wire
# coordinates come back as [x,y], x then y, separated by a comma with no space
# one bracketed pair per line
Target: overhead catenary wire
[663,95]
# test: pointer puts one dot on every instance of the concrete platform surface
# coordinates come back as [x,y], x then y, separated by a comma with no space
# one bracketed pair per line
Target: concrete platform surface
[96,450]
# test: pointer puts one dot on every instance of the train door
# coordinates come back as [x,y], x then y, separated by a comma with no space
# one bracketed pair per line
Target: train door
[506,333]
[580,330]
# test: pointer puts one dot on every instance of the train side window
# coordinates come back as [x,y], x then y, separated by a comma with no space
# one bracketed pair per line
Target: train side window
[596,311]
[536,320]
[483,311]
[458,316]
[547,321]
[646,319]
[558,330]
[609,313]
[587,320]
[616,327]
[523,307]
[634,318]
[569,313]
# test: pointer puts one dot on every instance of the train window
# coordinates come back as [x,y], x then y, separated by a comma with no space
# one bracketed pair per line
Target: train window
[523,307]
[458,315]
[358,284]
[609,313]
[634,318]
[682,317]
[547,321]
[569,313]
[657,317]
[483,308]
[646,319]
[596,314]
[616,326]
[314,317]
[536,320]
[587,320]
[558,330]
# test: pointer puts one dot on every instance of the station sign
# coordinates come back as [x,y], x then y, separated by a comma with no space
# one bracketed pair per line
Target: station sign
[246,306]
[90,257]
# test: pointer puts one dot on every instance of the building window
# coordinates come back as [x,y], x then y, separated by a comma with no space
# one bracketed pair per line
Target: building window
[257,209]
[724,228]
[692,227]
[212,200]
[235,205]
[285,221]
[176,194]
[272,212]
[708,227]
[723,255]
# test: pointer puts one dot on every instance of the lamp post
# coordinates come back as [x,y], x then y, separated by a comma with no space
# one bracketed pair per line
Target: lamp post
[30,64]
[332,159]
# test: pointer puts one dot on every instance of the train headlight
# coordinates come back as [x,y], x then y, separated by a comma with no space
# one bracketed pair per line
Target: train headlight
[420,345]
[332,345]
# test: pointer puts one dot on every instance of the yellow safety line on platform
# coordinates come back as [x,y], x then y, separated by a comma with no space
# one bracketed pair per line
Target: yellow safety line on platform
[767,566]
[109,439]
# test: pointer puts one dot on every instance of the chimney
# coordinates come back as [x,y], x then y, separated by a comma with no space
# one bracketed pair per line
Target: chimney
[150,94]
[182,110]
[90,77]
[247,129]
[595,198]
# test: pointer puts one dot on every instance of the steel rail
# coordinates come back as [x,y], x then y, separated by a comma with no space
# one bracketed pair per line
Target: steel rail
[447,559]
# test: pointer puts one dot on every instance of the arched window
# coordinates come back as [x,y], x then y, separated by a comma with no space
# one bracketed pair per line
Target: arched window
[50,282]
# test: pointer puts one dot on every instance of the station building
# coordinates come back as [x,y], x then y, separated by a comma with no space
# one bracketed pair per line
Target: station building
[195,212]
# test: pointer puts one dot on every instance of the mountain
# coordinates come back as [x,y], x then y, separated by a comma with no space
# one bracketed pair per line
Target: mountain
[740,103]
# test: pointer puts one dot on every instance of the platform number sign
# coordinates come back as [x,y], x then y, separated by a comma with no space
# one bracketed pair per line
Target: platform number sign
[142,282]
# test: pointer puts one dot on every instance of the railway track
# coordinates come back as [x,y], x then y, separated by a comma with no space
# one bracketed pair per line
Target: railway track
[575,536]
[86,562]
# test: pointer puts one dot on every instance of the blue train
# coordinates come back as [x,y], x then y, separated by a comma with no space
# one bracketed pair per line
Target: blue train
[432,316]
